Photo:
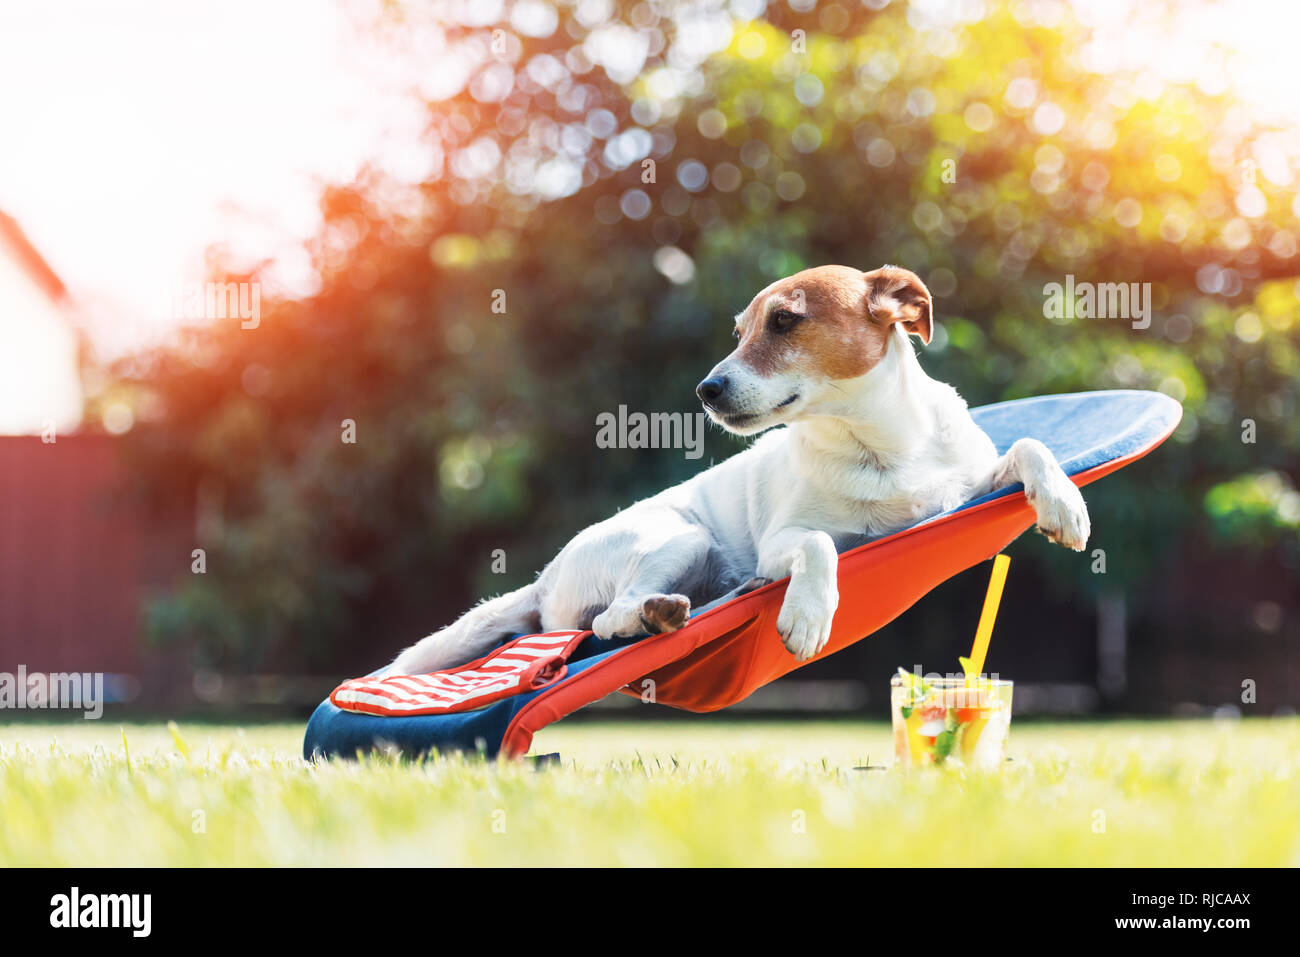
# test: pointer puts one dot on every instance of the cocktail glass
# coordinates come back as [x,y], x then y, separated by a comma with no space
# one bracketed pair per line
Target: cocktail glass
[950,721]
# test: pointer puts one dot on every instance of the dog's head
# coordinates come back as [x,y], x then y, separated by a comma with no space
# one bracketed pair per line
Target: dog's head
[802,339]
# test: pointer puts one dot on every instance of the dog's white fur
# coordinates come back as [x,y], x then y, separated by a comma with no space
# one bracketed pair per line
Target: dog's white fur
[870,454]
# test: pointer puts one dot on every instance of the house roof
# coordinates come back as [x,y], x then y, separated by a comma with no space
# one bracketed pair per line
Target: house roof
[15,241]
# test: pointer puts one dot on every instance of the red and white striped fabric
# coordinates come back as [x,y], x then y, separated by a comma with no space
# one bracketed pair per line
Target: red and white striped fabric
[525,664]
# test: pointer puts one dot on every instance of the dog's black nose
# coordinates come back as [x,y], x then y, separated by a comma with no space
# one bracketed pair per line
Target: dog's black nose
[711,389]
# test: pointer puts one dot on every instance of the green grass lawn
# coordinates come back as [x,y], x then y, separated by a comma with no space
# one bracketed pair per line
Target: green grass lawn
[678,793]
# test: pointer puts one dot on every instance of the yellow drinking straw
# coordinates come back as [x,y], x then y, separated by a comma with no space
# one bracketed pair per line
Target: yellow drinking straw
[975,664]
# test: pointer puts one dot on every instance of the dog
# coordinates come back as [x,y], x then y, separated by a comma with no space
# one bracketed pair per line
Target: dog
[867,444]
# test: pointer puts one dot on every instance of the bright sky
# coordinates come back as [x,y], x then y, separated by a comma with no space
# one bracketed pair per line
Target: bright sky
[1254,58]
[130,132]
[134,133]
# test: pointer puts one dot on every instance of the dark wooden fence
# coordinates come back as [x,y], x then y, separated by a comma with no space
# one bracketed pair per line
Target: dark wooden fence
[76,556]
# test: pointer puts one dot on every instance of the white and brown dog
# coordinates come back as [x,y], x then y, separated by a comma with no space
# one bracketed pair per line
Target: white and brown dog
[871,445]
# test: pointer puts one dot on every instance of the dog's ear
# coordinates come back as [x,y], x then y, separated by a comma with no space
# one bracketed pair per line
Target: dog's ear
[898,295]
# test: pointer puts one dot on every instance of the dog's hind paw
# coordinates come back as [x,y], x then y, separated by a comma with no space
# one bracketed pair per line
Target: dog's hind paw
[664,613]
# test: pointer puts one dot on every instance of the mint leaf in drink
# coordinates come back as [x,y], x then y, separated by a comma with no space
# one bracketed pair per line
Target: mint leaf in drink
[942,746]
[948,741]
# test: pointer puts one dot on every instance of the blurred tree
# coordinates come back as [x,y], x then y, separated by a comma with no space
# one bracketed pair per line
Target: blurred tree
[623,177]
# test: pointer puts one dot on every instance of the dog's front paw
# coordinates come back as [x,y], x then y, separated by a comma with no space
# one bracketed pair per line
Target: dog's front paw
[804,623]
[1061,513]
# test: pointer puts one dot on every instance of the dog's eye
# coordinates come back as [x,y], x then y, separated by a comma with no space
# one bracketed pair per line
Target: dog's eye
[783,320]
[735,333]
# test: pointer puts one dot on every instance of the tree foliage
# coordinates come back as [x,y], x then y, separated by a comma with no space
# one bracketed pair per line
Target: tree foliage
[984,155]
